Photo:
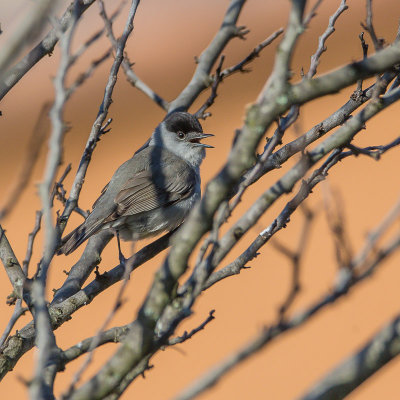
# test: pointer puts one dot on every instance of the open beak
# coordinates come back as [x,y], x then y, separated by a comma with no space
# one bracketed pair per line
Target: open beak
[198,136]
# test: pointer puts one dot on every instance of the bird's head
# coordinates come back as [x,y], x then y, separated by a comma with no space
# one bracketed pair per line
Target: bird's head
[181,133]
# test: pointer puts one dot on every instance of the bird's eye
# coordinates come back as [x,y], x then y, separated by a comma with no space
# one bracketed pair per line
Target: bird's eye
[180,135]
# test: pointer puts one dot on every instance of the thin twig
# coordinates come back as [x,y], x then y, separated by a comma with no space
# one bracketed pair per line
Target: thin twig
[132,78]
[240,67]
[369,27]
[296,258]
[18,312]
[27,31]
[31,239]
[128,266]
[186,336]
[11,264]
[44,48]
[315,58]
[274,331]
[210,100]
[97,128]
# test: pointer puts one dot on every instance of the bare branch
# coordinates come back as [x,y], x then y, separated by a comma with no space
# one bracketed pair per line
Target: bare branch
[27,31]
[31,239]
[254,54]
[201,78]
[70,298]
[17,313]
[296,258]
[40,387]
[128,267]
[187,336]
[132,78]
[322,39]
[270,333]
[210,101]
[374,236]
[369,27]
[352,372]
[45,47]
[11,264]
[336,221]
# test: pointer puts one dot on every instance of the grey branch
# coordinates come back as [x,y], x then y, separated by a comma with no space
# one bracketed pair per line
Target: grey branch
[17,313]
[31,239]
[11,264]
[322,39]
[28,30]
[240,67]
[270,333]
[187,336]
[45,47]
[97,128]
[369,27]
[201,78]
[132,78]
[40,387]
[75,298]
[353,371]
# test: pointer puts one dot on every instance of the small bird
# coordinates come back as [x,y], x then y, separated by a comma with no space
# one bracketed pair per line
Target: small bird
[154,190]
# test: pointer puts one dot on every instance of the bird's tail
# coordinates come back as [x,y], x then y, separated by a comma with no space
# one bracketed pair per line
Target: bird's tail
[74,239]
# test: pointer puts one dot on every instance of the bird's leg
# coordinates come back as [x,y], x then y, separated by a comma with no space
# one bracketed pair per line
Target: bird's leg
[122,259]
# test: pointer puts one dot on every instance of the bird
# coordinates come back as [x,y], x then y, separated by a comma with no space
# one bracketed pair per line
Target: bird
[153,191]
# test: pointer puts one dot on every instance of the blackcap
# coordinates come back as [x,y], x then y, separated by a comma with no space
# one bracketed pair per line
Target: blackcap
[153,191]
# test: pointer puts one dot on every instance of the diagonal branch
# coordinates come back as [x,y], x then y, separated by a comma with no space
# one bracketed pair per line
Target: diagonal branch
[353,371]
[44,48]
[26,32]
[201,78]
[97,128]
[274,331]
[132,78]
[11,264]
[322,39]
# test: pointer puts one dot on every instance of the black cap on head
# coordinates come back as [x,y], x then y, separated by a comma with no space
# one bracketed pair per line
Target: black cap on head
[182,122]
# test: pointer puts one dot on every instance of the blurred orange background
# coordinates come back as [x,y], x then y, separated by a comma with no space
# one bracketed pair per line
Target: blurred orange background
[167,35]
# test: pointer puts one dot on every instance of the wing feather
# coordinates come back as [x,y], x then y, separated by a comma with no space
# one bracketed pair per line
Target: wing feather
[147,190]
